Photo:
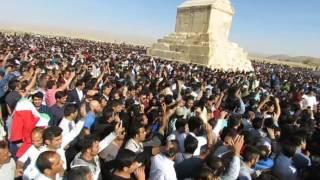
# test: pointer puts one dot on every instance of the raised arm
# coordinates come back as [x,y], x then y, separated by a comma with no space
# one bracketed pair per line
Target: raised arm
[33,81]
[4,62]
[65,85]
[278,109]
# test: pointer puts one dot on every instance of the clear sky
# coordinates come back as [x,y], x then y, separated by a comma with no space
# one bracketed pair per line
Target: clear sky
[261,26]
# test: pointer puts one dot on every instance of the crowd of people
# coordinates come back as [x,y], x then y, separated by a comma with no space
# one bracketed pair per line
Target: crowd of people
[81,110]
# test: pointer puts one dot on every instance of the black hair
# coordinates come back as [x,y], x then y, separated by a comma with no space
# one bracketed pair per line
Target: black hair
[60,94]
[190,144]
[257,123]
[135,129]
[13,84]
[51,132]
[288,149]
[78,173]
[51,83]
[38,95]
[234,121]
[125,158]
[79,83]
[250,153]
[87,142]
[205,173]
[194,123]
[216,165]
[173,150]
[180,123]
[264,151]
[69,109]
[228,132]
[43,161]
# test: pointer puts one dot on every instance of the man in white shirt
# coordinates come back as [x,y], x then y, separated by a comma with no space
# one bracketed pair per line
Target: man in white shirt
[91,147]
[309,100]
[31,154]
[70,130]
[7,164]
[162,165]
[195,125]
[138,136]
[49,164]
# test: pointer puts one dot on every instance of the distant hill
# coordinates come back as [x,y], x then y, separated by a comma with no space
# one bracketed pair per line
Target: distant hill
[300,59]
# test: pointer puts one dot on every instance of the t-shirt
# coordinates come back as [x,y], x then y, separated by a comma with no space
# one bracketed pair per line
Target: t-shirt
[50,97]
[308,101]
[7,171]
[12,98]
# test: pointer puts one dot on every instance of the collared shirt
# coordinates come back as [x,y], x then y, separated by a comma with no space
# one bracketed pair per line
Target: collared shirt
[162,168]
[80,94]
[89,120]
[94,166]
[201,142]
[70,130]
[32,154]
[61,153]
[134,146]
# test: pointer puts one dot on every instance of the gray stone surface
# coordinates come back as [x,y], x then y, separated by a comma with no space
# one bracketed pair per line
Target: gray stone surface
[201,37]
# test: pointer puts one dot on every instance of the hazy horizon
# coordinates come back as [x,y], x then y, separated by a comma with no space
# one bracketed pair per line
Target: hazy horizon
[288,27]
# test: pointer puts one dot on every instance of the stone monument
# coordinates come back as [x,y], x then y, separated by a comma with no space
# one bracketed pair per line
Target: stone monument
[201,37]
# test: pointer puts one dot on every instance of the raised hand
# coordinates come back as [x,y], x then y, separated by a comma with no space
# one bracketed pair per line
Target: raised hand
[237,144]
[139,173]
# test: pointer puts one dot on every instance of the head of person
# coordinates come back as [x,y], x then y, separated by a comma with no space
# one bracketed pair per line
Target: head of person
[52,137]
[106,89]
[37,99]
[90,146]
[79,173]
[216,165]
[257,123]
[189,102]
[117,106]
[190,144]
[181,125]
[95,106]
[228,135]
[234,121]
[172,148]
[143,97]
[195,124]
[49,163]
[205,174]
[14,85]
[251,156]
[71,111]
[61,97]
[52,84]
[66,74]
[126,161]
[138,132]
[143,119]
[80,85]
[37,137]
[5,154]
[43,80]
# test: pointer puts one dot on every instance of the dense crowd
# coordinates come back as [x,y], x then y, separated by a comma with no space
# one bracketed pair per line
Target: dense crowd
[82,110]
